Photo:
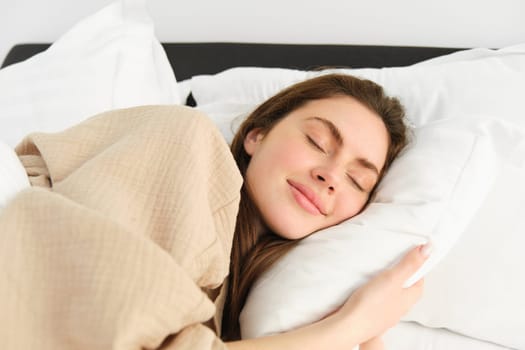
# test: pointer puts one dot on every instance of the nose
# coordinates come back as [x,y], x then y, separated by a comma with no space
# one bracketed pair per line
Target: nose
[327,176]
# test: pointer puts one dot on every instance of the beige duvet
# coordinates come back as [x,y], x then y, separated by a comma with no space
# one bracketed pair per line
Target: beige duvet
[125,232]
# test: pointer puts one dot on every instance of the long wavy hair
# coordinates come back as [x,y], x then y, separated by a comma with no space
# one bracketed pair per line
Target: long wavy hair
[252,252]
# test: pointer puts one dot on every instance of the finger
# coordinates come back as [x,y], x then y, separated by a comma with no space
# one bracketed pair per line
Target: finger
[412,261]
[419,284]
[416,290]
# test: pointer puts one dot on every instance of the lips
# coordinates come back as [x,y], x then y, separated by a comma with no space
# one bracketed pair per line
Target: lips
[306,198]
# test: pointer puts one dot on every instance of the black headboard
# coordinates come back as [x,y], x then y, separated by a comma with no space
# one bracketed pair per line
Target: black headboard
[189,59]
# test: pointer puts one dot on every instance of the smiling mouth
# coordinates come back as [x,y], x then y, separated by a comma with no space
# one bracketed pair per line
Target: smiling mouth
[305,199]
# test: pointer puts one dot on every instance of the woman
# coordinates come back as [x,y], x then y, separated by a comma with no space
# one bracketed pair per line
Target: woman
[319,149]
[123,241]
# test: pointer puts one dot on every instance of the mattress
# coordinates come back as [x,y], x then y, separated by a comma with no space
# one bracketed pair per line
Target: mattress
[412,336]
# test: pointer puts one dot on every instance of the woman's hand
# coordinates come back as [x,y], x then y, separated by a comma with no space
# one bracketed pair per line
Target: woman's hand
[379,304]
[367,314]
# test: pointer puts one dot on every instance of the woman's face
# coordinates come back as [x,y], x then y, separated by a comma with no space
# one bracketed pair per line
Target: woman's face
[317,166]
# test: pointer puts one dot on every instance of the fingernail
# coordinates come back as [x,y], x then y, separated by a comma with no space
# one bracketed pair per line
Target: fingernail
[426,249]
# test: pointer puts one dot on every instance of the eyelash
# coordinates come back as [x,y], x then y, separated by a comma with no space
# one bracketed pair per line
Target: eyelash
[355,183]
[316,145]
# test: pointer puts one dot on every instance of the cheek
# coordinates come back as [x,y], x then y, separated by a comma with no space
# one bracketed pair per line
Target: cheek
[349,204]
[286,157]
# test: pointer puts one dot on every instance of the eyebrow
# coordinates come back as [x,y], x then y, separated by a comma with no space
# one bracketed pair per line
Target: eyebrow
[336,134]
[368,165]
[334,130]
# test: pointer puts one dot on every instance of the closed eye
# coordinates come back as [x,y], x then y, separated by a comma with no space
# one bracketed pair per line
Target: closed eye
[315,144]
[355,183]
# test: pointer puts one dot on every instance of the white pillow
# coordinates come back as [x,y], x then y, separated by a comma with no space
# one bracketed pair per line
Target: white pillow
[471,82]
[247,85]
[13,177]
[109,60]
[227,116]
[478,289]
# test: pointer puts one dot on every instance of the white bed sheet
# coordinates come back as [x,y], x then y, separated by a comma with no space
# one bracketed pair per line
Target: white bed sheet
[412,336]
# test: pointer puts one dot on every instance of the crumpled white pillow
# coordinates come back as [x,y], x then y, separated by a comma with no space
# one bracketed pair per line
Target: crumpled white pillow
[13,177]
[109,60]
[432,193]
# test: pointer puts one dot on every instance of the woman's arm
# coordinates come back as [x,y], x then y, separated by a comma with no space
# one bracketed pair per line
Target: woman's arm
[373,344]
[325,334]
[368,313]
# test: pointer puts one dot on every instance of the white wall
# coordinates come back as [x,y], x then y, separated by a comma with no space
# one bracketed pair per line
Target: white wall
[455,23]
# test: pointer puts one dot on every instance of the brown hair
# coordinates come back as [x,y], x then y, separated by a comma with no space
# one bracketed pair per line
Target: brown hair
[252,254]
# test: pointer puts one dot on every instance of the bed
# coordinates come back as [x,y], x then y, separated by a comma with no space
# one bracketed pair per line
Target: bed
[208,75]
[190,59]
[211,58]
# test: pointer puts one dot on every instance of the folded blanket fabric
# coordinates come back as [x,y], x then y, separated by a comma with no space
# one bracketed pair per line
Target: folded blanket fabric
[126,229]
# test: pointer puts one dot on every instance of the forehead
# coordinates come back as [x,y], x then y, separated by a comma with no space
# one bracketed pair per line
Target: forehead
[363,132]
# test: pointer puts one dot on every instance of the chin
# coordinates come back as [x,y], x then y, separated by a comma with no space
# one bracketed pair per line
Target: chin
[288,229]
[289,233]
